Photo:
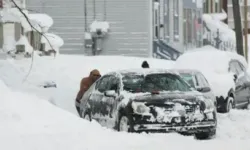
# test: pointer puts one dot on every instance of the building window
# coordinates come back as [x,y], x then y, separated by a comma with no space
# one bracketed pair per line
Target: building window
[166,20]
[206,6]
[156,19]
[185,30]
[176,20]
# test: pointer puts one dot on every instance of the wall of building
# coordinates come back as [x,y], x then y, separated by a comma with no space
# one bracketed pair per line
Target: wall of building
[130,24]
[213,6]
[181,24]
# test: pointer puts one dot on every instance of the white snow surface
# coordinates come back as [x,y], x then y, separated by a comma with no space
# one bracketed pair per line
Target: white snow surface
[24,41]
[214,23]
[43,20]
[29,121]
[54,40]
[103,25]
[213,63]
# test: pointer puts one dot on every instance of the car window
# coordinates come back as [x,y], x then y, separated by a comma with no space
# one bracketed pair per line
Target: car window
[188,77]
[132,82]
[234,67]
[114,83]
[196,81]
[103,84]
[202,80]
[241,67]
[164,82]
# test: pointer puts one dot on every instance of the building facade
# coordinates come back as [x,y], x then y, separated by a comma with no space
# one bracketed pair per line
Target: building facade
[230,19]
[213,6]
[136,28]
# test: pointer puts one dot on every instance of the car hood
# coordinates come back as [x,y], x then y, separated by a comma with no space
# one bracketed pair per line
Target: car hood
[162,97]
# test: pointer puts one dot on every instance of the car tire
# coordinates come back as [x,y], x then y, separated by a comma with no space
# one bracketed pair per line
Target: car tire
[87,116]
[205,135]
[125,124]
[229,105]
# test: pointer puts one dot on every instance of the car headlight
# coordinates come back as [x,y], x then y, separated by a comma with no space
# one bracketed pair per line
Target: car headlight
[140,108]
[206,105]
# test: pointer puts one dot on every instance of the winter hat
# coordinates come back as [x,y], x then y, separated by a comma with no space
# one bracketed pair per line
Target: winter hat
[145,64]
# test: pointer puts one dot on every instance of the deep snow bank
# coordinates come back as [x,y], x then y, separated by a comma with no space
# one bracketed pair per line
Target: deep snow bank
[66,71]
[29,123]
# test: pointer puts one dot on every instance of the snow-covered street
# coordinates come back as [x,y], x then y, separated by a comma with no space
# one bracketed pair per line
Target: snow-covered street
[30,120]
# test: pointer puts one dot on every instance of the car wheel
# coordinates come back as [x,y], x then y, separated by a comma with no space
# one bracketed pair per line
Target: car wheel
[229,105]
[124,124]
[87,116]
[205,135]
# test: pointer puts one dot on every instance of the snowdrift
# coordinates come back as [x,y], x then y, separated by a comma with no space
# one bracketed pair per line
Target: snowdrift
[29,121]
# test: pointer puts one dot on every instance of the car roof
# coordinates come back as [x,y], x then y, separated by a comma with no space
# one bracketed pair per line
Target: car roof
[189,71]
[142,71]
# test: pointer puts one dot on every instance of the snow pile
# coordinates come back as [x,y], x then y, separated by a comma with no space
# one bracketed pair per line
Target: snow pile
[219,16]
[214,24]
[43,20]
[32,123]
[54,40]
[8,16]
[66,71]
[99,25]
[213,64]
[24,41]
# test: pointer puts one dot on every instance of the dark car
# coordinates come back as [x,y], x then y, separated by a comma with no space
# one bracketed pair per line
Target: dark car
[226,72]
[197,81]
[149,100]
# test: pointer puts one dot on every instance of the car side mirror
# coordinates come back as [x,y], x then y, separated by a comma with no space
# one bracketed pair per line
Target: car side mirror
[204,89]
[110,93]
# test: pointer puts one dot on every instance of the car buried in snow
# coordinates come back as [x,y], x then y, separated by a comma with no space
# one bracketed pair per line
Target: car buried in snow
[149,100]
[197,81]
[226,73]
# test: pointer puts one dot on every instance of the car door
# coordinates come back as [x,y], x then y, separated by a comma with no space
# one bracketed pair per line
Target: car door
[243,78]
[110,102]
[240,90]
[203,83]
[96,97]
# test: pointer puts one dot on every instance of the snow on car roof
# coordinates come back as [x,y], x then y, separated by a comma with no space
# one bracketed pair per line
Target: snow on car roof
[142,71]
[190,71]
[208,58]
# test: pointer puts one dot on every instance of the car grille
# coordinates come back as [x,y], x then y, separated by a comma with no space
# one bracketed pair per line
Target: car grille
[166,107]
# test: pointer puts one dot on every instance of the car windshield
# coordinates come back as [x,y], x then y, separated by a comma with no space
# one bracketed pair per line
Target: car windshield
[188,78]
[154,82]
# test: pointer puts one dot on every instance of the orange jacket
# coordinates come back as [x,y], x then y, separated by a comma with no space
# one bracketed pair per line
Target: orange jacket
[84,86]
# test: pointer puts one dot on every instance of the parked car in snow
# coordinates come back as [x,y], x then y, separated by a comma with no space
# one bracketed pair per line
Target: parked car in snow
[226,73]
[197,81]
[149,100]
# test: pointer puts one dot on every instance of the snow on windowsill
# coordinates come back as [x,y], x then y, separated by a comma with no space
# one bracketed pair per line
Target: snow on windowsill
[54,40]
[43,20]
[102,25]
[214,24]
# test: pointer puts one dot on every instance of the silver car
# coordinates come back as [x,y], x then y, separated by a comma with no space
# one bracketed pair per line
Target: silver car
[197,81]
